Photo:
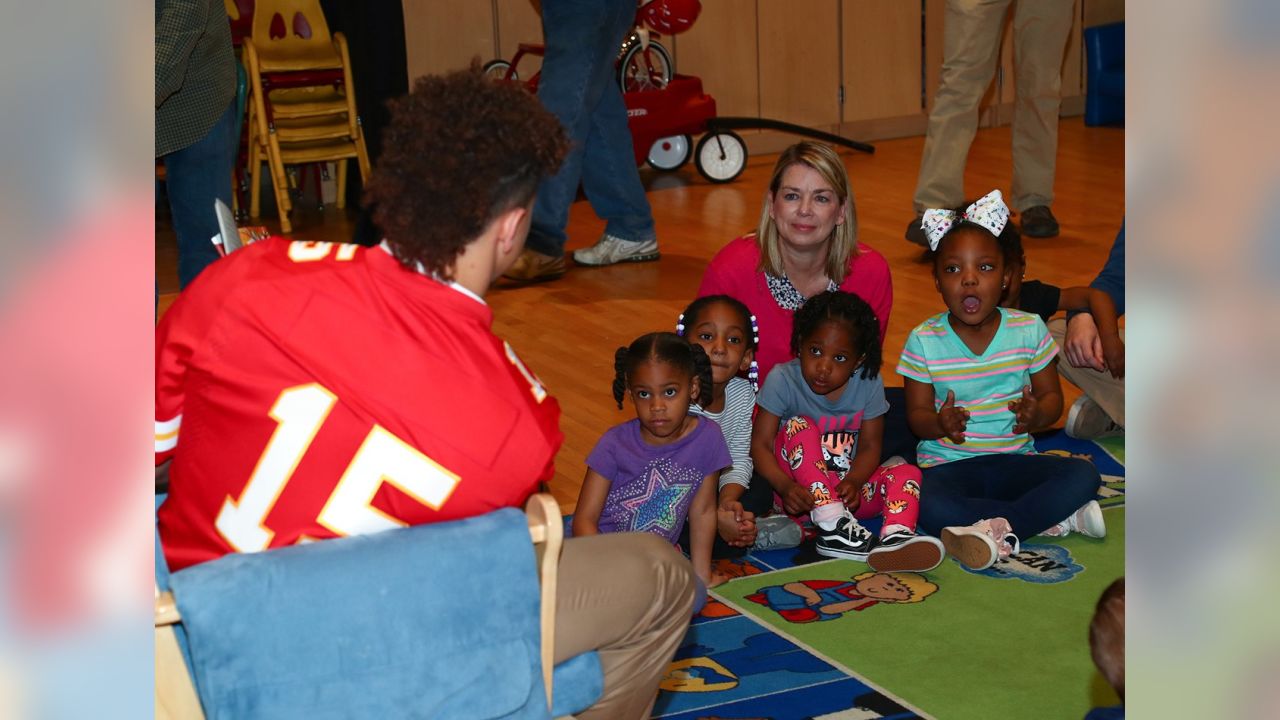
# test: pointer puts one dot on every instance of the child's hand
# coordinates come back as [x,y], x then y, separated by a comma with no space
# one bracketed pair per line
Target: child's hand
[735,525]
[851,493]
[796,500]
[953,420]
[1113,351]
[1024,410]
[717,578]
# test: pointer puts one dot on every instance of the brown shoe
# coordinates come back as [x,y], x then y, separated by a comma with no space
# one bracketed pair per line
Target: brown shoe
[1039,222]
[533,266]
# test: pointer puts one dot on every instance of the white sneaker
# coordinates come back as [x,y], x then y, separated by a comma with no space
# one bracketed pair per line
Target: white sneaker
[1087,521]
[1086,420]
[610,250]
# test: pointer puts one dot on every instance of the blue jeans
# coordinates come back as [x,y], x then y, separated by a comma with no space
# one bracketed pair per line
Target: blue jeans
[1032,492]
[579,86]
[194,177]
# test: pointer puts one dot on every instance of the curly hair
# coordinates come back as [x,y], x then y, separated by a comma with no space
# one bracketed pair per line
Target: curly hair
[844,239]
[459,151]
[1106,635]
[854,312]
[663,347]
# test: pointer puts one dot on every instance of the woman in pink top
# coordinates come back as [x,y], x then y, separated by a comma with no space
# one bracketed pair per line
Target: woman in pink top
[807,243]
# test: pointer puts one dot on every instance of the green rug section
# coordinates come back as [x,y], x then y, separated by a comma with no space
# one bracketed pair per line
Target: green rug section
[1114,447]
[976,646]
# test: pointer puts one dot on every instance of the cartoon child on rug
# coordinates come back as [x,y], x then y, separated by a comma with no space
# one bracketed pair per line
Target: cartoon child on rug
[806,601]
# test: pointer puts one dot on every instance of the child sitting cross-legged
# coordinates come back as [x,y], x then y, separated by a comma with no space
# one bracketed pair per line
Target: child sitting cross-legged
[979,378]
[818,434]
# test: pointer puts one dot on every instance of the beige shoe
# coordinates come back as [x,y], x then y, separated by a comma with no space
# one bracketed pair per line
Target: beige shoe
[533,266]
[980,545]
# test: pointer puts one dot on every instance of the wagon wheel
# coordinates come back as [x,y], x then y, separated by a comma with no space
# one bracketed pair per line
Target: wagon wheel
[721,156]
[670,153]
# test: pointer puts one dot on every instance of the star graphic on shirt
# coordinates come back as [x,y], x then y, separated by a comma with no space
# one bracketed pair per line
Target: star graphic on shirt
[655,506]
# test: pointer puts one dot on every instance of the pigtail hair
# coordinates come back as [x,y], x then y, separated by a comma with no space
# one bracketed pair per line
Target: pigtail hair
[702,371]
[873,355]
[620,375]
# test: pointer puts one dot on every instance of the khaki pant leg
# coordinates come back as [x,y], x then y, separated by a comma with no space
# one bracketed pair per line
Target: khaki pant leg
[1040,30]
[971,44]
[1103,389]
[628,596]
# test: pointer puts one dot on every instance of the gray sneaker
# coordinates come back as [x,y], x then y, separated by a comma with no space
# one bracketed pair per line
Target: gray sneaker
[610,250]
[777,531]
[1086,420]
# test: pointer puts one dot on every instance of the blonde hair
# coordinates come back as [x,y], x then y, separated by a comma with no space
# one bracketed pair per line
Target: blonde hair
[844,238]
[916,584]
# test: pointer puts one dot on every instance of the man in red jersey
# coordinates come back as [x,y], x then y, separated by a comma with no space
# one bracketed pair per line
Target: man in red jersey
[314,390]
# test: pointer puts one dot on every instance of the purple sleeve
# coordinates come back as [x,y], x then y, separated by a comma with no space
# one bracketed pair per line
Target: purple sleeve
[604,457]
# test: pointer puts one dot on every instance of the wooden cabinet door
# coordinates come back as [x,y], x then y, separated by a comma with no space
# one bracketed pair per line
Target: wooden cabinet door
[721,49]
[800,61]
[881,59]
[444,36]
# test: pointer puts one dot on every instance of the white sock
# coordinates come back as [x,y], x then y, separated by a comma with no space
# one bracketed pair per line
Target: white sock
[826,516]
[890,529]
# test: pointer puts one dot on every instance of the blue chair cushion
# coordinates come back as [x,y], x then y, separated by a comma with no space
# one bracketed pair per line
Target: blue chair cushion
[577,684]
[405,623]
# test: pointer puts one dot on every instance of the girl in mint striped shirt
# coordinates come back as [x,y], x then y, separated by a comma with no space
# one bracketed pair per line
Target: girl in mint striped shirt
[978,379]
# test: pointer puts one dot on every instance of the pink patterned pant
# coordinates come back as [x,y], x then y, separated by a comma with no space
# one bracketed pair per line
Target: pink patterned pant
[893,492]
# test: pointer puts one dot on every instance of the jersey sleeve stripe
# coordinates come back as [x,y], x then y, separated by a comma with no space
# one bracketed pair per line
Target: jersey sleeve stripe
[167,434]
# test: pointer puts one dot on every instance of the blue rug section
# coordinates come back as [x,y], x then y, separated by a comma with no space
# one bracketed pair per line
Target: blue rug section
[1111,494]
[1059,440]
[844,699]
[741,669]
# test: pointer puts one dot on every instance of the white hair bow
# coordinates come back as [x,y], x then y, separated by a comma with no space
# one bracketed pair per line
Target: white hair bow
[989,211]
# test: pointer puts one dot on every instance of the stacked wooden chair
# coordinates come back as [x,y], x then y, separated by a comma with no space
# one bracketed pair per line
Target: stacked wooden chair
[302,100]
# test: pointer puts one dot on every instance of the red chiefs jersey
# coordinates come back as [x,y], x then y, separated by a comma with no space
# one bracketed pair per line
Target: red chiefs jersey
[313,390]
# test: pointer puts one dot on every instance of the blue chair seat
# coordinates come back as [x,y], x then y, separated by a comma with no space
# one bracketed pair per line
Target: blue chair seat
[436,620]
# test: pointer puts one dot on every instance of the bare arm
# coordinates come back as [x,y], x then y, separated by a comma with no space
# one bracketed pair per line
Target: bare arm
[702,530]
[595,488]
[735,525]
[1105,349]
[1041,403]
[949,421]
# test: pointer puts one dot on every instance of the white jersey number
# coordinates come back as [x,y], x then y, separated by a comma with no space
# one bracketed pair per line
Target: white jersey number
[299,413]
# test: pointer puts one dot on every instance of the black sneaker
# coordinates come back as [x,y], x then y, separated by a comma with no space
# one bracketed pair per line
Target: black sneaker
[907,552]
[848,540]
[1039,222]
[915,232]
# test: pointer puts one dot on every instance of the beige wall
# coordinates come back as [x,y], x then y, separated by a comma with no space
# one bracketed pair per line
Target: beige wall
[863,68]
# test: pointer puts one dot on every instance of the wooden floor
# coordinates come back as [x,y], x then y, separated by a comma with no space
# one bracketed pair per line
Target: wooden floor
[567,330]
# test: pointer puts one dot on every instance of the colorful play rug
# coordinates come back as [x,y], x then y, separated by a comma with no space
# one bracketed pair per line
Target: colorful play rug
[1011,641]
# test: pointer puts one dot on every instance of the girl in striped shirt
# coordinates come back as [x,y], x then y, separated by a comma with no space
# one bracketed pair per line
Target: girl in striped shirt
[978,379]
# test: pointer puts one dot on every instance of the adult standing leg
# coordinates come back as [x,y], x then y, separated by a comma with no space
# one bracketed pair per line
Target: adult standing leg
[579,86]
[1040,30]
[612,184]
[628,596]
[971,44]
[194,177]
